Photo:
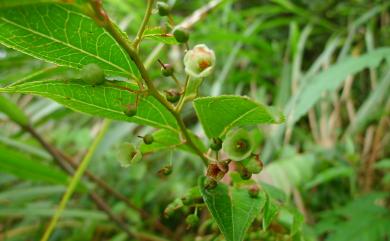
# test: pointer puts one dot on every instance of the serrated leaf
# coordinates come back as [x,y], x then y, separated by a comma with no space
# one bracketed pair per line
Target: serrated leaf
[232,208]
[104,100]
[159,35]
[21,165]
[220,114]
[62,35]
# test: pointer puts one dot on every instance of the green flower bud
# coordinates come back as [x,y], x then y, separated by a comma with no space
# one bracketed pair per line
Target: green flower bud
[148,139]
[130,110]
[167,70]
[92,74]
[199,62]
[253,164]
[181,34]
[172,95]
[192,220]
[163,8]
[238,144]
[216,144]
[127,154]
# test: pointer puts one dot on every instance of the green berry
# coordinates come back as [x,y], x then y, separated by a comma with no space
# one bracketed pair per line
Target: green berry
[181,34]
[130,110]
[167,70]
[163,8]
[172,95]
[192,220]
[254,191]
[245,174]
[253,164]
[216,144]
[92,74]
[210,184]
[148,139]
[238,144]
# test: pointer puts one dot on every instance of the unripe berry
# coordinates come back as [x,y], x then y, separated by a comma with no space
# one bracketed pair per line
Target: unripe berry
[254,191]
[167,70]
[216,144]
[192,220]
[148,139]
[253,164]
[172,95]
[163,8]
[92,74]
[245,174]
[130,110]
[181,34]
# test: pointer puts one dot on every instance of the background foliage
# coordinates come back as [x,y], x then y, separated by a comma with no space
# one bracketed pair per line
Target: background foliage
[324,63]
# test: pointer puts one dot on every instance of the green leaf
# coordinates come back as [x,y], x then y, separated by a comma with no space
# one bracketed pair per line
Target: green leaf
[159,35]
[220,114]
[13,111]
[104,100]
[330,174]
[22,166]
[270,212]
[232,208]
[331,79]
[63,35]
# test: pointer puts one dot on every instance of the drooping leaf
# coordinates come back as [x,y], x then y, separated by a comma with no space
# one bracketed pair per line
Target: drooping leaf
[104,100]
[22,166]
[220,114]
[61,34]
[233,209]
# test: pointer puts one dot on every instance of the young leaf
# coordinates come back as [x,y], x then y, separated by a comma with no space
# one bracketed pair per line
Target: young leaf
[233,209]
[104,100]
[270,212]
[62,35]
[220,114]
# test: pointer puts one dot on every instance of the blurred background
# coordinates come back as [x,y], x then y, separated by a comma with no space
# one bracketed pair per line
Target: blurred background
[324,63]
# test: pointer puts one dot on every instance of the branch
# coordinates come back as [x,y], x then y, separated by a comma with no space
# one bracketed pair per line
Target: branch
[144,23]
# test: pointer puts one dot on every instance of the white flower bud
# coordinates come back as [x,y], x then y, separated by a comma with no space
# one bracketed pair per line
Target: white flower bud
[199,62]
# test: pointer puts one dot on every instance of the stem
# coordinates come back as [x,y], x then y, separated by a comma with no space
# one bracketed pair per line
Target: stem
[75,180]
[144,23]
[145,76]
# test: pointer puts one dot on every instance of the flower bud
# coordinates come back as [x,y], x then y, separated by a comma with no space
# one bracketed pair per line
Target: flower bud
[216,144]
[92,74]
[130,110]
[199,62]
[181,34]
[172,95]
[163,8]
[148,139]
[238,144]
[167,70]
